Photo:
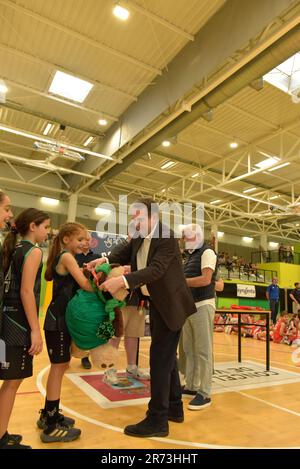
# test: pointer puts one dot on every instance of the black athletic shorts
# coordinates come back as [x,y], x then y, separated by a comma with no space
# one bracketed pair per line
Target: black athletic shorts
[18,364]
[58,346]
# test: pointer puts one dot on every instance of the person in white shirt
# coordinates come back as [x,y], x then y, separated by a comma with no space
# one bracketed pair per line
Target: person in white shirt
[196,343]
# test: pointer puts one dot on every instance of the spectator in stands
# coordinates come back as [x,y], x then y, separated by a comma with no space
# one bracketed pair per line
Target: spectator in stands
[272,294]
[282,252]
[295,297]
[289,255]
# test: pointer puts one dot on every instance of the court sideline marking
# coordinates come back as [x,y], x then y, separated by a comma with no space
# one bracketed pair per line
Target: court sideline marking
[162,440]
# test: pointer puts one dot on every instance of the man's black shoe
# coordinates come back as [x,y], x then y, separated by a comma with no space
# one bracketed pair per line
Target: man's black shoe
[176,418]
[86,364]
[147,429]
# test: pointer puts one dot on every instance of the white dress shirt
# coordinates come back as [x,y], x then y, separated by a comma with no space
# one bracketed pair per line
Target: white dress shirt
[141,259]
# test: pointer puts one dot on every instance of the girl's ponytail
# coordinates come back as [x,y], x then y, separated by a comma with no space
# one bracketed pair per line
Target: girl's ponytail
[9,245]
[53,252]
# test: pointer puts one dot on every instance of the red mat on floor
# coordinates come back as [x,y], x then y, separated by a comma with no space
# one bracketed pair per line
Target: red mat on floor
[132,389]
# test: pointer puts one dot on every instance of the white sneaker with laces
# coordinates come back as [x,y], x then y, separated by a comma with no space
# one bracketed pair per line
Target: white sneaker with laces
[136,372]
[111,377]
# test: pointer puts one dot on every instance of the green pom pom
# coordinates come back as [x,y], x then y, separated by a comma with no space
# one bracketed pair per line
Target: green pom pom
[105,331]
[106,268]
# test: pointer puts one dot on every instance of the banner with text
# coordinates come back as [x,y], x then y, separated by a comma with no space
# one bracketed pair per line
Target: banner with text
[246,291]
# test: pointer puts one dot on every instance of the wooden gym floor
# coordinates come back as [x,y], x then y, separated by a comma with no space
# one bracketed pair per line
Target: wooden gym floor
[254,416]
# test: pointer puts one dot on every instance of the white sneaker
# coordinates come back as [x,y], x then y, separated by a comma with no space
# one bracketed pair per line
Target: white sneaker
[111,377]
[136,372]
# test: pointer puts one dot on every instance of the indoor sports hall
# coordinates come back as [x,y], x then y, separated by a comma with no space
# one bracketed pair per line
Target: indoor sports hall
[194,105]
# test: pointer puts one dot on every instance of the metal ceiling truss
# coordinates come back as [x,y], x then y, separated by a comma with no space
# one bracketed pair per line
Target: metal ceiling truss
[51,66]
[82,37]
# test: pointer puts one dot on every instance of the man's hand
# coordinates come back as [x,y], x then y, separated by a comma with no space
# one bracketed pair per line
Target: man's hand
[127,269]
[112,285]
[91,265]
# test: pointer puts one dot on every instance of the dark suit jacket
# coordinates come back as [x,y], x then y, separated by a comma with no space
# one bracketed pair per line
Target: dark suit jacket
[163,276]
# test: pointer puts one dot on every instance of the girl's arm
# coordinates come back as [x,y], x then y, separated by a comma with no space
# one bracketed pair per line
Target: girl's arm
[30,268]
[70,265]
[282,329]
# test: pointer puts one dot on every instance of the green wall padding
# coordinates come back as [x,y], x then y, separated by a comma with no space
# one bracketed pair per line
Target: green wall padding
[254,302]
[227,302]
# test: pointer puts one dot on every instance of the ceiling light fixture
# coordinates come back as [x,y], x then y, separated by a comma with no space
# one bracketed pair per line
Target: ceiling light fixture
[48,128]
[268,162]
[102,122]
[216,201]
[102,211]
[195,175]
[70,87]
[3,87]
[120,12]
[247,239]
[233,145]
[25,134]
[274,197]
[49,201]
[3,91]
[166,143]
[88,141]
[168,165]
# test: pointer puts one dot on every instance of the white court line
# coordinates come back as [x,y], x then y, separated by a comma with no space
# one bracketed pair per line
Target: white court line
[283,409]
[259,361]
[162,440]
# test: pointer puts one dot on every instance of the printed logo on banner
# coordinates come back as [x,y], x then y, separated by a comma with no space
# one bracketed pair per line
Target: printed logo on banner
[102,243]
[246,291]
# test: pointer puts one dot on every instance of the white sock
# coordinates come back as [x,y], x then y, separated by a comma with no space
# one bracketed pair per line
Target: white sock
[131,367]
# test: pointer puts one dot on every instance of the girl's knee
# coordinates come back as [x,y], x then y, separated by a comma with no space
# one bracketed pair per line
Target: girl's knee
[12,384]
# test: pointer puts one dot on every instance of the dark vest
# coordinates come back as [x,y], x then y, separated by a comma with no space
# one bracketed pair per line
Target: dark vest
[192,268]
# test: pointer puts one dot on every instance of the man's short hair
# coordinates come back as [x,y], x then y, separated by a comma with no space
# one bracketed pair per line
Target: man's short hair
[149,204]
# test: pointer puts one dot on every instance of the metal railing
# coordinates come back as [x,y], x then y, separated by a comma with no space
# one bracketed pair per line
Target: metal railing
[247,274]
[275,256]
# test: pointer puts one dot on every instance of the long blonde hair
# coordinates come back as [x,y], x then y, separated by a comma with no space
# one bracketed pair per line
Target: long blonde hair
[68,229]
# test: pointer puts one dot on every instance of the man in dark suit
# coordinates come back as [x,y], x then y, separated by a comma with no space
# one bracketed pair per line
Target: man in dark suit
[156,269]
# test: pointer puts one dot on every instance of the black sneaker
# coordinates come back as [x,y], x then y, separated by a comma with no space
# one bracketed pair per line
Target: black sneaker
[62,420]
[199,402]
[8,443]
[85,363]
[15,437]
[187,392]
[60,433]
